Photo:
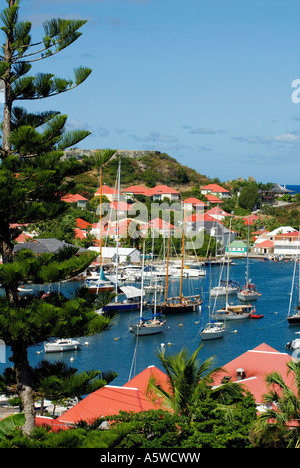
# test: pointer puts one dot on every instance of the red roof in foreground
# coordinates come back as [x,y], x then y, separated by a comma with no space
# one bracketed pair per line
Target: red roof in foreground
[110,400]
[55,425]
[257,363]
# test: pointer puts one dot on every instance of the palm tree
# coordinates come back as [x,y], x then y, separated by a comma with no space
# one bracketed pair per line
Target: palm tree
[189,381]
[279,426]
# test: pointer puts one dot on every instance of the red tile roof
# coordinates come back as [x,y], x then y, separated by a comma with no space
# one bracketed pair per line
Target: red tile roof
[70,198]
[82,224]
[265,244]
[249,219]
[79,233]
[106,191]
[197,217]
[215,188]
[257,363]
[55,425]
[213,199]
[122,206]
[136,190]
[161,189]
[109,400]
[218,211]
[194,201]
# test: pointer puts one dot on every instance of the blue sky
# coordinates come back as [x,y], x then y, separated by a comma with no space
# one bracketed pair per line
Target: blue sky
[208,82]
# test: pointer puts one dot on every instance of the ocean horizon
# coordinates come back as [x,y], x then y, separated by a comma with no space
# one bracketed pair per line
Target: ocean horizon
[295,188]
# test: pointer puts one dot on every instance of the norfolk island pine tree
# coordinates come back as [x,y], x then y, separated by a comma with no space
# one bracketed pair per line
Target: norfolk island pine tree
[33,178]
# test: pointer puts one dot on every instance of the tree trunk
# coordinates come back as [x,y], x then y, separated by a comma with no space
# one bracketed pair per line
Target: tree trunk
[24,384]
[6,126]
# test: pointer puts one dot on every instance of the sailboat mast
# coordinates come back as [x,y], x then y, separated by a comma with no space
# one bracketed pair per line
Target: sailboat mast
[100,220]
[247,262]
[182,257]
[118,220]
[167,273]
[228,257]
[142,283]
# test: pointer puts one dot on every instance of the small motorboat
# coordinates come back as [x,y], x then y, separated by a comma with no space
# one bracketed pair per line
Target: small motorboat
[295,344]
[254,315]
[61,344]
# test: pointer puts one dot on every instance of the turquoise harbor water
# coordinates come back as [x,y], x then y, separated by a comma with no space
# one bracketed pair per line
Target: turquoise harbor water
[114,349]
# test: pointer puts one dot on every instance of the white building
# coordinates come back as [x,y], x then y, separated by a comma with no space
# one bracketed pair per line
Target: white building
[125,254]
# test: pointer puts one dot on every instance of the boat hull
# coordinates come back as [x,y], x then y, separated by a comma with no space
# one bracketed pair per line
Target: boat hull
[208,335]
[142,330]
[294,320]
[176,308]
[245,296]
[121,307]
[100,289]
[212,331]
[231,316]
[59,347]
[222,292]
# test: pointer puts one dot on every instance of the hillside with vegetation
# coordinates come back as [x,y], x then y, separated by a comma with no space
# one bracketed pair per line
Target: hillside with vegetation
[150,170]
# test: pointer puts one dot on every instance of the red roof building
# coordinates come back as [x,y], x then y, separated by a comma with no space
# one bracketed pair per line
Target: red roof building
[199,217]
[79,233]
[136,190]
[213,199]
[193,203]
[110,400]
[215,189]
[250,370]
[250,219]
[78,199]
[109,192]
[82,224]
[217,213]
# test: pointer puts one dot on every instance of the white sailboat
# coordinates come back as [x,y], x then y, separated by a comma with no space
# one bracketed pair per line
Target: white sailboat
[97,282]
[134,296]
[154,323]
[213,329]
[248,291]
[230,311]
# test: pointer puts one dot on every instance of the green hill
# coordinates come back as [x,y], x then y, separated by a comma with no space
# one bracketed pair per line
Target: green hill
[149,169]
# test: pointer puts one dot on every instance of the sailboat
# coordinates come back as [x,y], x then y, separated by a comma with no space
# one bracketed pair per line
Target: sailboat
[133,294]
[213,329]
[230,311]
[248,291]
[97,282]
[154,323]
[294,318]
[178,304]
[228,287]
